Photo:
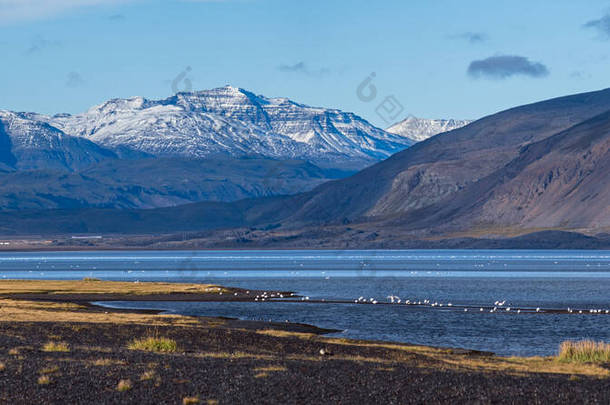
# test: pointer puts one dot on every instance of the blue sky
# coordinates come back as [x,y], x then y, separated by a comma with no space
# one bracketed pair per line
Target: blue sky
[438,59]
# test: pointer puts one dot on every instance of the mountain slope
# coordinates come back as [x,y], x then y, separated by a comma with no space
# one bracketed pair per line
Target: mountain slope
[233,122]
[561,181]
[158,182]
[29,144]
[434,170]
[420,129]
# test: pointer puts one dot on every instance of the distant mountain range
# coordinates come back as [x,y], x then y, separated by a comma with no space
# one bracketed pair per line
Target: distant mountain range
[232,122]
[539,169]
[223,144]
[420,129]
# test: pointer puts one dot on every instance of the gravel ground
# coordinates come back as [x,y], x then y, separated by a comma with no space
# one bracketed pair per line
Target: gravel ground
[238,365]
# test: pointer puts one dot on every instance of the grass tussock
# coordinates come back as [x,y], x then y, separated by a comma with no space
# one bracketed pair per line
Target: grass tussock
[55,347]
[107,362]
[124,385]
[44,380]
[49,370]
[190,401]
[263,372]
[148,375]
[154,344]
[270,369]
[584,351]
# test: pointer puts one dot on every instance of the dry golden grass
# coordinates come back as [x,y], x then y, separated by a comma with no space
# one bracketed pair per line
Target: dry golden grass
[283,333]
[190,400]
[124,385]
[44,380]
[54,287]
[154,344]
[235,355]
[49,370]
[148,375]
[107,362]
[55,347]
[267,369]
[262,372]
[36,311]
[424,356]
[584,351]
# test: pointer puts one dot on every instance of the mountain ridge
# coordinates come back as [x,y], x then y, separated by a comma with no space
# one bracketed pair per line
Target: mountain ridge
[463,182]
[420,129]
[232,122]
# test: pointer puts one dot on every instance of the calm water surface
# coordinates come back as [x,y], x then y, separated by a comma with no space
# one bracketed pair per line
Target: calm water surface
[525,279]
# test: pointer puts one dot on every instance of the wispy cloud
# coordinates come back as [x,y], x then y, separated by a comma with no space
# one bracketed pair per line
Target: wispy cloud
[74,79]
[39,44]
[580,74]
[19,10]
[601,25]
[472,37]
[303,68]
[116,17]
[505,66]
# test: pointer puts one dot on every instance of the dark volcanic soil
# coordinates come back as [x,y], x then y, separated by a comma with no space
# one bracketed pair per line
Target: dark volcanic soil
[242,366]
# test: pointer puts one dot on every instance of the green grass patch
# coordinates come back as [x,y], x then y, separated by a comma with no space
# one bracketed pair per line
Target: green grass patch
[154,344]
[584,351]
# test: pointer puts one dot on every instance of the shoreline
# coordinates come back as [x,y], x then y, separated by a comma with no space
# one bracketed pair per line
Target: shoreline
[231,360]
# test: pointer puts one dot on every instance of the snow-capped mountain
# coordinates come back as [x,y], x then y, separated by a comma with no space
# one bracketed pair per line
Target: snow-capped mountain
[28,143]
[234,122]
[420,129]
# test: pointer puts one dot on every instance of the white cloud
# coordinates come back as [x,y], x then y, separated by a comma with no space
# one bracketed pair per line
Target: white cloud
[12,11]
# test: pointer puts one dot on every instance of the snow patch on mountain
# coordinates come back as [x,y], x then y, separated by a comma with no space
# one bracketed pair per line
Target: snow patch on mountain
[231,121]
[420,129]
[31,143]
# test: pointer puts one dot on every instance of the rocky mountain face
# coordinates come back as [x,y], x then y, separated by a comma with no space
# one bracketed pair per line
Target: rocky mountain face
[420,129]
[433,172]
[234,122]
[29,144]
[561,181]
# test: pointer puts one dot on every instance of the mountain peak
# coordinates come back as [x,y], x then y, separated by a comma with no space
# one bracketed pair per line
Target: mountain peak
[235,122]
[420,129]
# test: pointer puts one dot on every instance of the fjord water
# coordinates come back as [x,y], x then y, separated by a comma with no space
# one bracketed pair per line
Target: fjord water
[523,279]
